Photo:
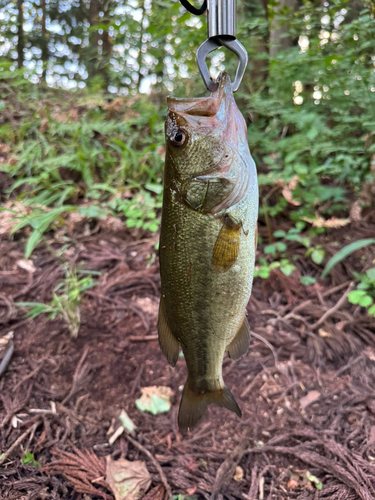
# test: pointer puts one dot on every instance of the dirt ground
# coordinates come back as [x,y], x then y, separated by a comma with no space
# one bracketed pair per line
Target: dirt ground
[306,386]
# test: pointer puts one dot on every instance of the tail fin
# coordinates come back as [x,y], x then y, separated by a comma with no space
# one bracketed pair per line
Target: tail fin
[194,404]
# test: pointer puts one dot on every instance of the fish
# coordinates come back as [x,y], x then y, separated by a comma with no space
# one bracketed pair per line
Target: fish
[207,247]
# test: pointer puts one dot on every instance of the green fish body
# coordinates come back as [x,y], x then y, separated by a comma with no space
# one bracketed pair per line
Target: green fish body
[207,244]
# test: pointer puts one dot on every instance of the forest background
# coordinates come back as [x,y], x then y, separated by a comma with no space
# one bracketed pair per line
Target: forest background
[82,106]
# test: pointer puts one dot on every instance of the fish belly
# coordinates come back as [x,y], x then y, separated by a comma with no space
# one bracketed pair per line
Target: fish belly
[204,307]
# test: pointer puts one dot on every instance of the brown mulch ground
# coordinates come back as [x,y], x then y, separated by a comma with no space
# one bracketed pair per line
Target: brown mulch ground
[306,386]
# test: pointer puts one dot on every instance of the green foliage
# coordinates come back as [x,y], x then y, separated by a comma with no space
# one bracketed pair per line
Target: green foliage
[66,301]
[278,252]
[312,119]
[29,459]
[317,254]
[364,295]
[60,158]
[315,480]
[183,497]
[139,211]
[345,252]
[307,280]
[40,221]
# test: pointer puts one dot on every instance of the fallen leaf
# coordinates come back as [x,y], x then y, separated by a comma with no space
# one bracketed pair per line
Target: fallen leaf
[5,339]
[238,476]
[155,399]
[120,424]
[314,479]
[322,333]
[370,353]
[340,325]
[333,222]
[287,190]
[191,491]
[84,470]
[127,480]
[292,484]
[27,265]
[310,397]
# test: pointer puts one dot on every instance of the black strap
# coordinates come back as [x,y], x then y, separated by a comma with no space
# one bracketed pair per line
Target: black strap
[194,10]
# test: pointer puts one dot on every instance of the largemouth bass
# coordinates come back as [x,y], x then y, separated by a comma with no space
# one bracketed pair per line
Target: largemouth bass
[207,244]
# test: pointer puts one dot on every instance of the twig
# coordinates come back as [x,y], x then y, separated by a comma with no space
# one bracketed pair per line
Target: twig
[252,384]
[134,338]
[254,483]
[298,308]
[31,374]
[7,357]
[335,289]
[18,441]
[283,395]
[156,464]
[268,344]
[350,364]
[137,380]
[333,309]
[77,375]
[227,468]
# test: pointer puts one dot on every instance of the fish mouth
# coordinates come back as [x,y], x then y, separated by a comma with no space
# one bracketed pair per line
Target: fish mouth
[219,110]
[216,104]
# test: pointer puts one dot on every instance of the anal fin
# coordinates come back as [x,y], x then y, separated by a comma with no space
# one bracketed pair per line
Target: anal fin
[169,345]
[240,344]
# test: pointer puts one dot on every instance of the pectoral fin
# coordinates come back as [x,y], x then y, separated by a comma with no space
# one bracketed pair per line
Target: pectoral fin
[240,344]
[227,245]
[169,345]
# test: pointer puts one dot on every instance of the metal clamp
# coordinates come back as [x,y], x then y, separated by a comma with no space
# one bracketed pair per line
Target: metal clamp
[212,44]
[221,30]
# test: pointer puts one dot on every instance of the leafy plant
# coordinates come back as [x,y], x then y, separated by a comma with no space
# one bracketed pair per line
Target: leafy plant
[140,211]
[40,221]
[29,459]
[66,301]
[345,252]
[317,254]
[307,280]
[364,295]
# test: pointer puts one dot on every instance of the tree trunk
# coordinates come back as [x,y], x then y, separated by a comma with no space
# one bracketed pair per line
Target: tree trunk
[44,45]
[278,40]
[257,71]
[106,44]
[20,34]
[93,64]
[140,45]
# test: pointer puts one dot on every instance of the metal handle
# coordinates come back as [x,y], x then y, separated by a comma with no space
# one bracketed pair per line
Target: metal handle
[221,29]
[221,19]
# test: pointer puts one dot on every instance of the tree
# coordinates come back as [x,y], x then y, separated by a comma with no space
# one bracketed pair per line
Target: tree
[20,34]
[279,32]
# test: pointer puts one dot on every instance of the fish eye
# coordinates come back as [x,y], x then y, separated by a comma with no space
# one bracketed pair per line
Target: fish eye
[179,138]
